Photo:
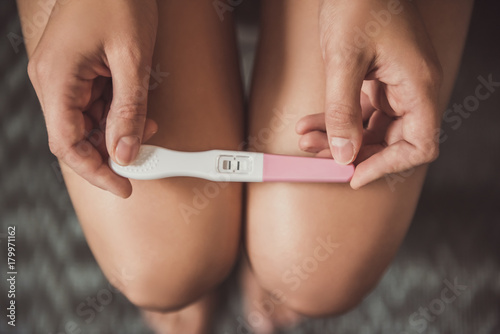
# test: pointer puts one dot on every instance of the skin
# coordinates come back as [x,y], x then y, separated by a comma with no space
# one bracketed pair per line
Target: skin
[306,71]
[96,46]
[285,220]
[403,77]
[143,243]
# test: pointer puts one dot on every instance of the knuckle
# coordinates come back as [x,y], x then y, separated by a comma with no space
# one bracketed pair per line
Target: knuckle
[341,55]
[306,143]
[131,53]
[435,74]
[132,112]
[56,148]
[428,154]
[393,155]
[339,116]
[133,56]
[37,67]
[327,43]
[431,154]
[431,73]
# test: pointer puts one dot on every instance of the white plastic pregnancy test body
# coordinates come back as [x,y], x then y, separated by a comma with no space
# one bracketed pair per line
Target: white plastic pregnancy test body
[155,162]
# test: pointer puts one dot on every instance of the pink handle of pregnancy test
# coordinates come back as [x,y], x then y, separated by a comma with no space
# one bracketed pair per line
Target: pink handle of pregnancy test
[286,168]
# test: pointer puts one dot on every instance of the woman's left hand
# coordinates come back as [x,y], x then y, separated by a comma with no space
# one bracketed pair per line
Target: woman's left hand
[381,69]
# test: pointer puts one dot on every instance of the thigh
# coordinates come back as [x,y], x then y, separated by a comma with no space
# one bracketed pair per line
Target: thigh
[173,237]
[325,245]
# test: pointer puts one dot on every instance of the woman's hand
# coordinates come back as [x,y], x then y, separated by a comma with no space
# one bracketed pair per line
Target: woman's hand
[90,71]
[381,69]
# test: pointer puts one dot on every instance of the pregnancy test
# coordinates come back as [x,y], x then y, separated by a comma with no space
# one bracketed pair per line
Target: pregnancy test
[154,162]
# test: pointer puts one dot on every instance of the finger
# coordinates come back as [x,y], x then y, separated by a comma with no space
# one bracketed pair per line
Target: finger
[367,108]
[99,85]
[377,129]
[88,123]
[150,129]
[96,137]
[376,93]
[96,111]
[414,150]
[313,142]
[366,151]
[343,118]
[65,96]
[68,141]
[392,159]
[86,161]
[127,115]
[314,122]
[326,153]
[96,129]
[412,138]
[394,131]
[33,76]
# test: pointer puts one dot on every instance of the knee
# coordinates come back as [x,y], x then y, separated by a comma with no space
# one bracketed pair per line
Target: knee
[169,270]
[327,300]
[319,283]
[320,297]
[175,285]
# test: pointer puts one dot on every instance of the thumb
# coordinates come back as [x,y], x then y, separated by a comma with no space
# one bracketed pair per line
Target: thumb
[127,114]
[343,117]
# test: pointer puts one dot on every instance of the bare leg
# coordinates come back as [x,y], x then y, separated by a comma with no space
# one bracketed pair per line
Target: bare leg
[167,246]
[194,318]
[325,246]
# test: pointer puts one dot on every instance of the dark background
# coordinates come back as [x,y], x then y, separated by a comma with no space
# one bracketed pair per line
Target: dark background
[455,233]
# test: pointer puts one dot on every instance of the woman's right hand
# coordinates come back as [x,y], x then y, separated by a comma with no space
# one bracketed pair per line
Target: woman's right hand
[91,72]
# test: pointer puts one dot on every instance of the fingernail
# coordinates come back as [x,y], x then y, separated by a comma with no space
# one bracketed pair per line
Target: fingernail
[342,150]
[127,149]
